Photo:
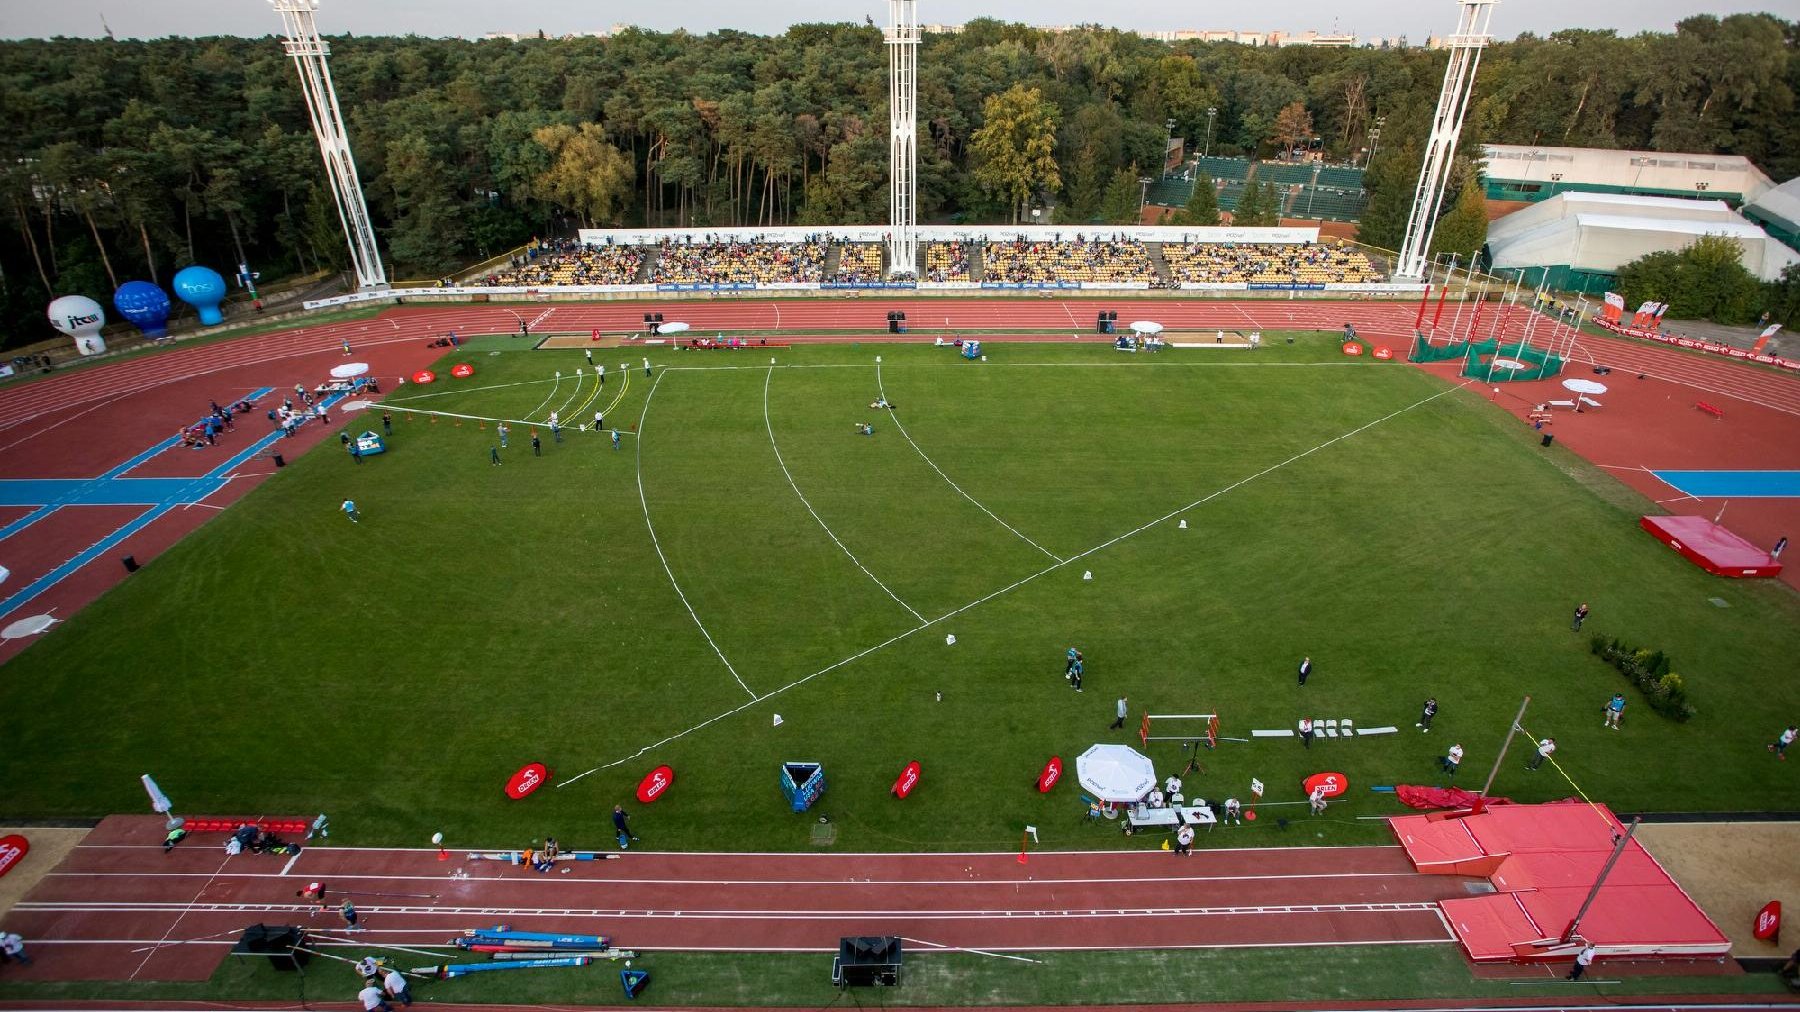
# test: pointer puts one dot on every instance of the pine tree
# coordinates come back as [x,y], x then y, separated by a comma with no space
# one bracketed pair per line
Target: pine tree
[1463,229]
[1124,199]
[1203,207]
[1250,207]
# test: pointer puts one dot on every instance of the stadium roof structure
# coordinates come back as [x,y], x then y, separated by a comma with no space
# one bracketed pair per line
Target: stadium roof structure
[1601,232]
[1525,172]
[1779,211]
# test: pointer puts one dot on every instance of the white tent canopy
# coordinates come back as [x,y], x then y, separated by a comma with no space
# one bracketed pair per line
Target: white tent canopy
[1116,773]
[1146,327]
[1605,231]
[349,370]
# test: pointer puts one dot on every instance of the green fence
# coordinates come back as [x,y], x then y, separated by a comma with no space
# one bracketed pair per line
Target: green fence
[1483,359]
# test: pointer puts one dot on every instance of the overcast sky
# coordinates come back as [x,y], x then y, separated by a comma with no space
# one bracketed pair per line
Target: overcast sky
[473,18]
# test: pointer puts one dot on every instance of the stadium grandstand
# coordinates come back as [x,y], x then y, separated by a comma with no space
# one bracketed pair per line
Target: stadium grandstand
[740,262]
[1578,241]
[946,262]
[1516,172]
[567,262]
[1117,260]
[1268,263]
[1311,190]
[858,263]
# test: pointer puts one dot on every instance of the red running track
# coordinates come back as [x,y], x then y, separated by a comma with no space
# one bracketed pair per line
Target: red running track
[83,422]
[118,908]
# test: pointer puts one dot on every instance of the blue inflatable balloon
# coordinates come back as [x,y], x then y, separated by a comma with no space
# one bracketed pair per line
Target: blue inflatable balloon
[202,288]
[145,305]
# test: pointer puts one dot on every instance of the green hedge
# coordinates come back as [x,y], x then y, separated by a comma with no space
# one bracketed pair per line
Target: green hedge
[1650,671]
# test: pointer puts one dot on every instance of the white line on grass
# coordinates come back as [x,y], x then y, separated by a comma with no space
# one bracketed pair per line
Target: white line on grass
[643,418]
[476,418]
[563,411]
[815,513]
[557,383]
[1016,584]
[465,390]
[895,418]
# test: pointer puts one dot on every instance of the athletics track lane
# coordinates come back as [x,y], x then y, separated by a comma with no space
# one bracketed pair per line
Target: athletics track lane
[105,910]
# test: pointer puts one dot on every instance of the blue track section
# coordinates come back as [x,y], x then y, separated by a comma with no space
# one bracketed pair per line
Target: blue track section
[176,493]
[1734,484]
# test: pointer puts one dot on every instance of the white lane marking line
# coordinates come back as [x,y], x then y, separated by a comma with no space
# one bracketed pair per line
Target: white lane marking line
[185,909]
[770,426]
[290,862]
[643,419]
[895,418]
[897,637]
[609,883]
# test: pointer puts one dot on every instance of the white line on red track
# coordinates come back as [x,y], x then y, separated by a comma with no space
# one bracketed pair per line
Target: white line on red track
[641,913]
[573,883]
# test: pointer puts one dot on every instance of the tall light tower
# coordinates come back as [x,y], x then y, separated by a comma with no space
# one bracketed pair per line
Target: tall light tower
[903,135]
[309,52]
[1446,126]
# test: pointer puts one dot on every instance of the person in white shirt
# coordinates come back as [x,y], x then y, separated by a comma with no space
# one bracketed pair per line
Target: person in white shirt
[1782,742]
[368,967]
[1306,731]
[395,984]
[1452,760]
[1545,749]
[1172,785]
[600,371]
[1233,812]
[1583,960]
[1317,798]
[1184,839]
[373,1001]
[1156,799]
[12,948]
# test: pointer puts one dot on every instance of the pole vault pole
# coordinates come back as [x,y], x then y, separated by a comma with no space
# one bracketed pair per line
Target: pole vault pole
[1510,731]
[1619,845]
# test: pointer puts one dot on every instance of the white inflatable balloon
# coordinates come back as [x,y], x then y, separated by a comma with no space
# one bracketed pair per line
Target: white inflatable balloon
[81,318]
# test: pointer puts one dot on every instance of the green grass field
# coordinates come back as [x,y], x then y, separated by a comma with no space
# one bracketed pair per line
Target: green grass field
[1410,537]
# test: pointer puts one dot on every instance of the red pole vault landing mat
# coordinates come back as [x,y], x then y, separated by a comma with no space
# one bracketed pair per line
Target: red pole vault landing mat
[1542,860]
[1711,547]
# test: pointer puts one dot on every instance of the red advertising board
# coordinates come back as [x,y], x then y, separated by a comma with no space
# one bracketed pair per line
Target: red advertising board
[909,778]
[529,778]
[655,783]
[12,850]
[1334,784]
[1052,773]
[1768,919]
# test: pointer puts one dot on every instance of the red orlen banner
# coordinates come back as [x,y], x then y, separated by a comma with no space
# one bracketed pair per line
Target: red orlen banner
[528,779]
[1052,773]
[12,850]
[1334,784]
[909,778]
[1768,919]
[424,376]
[1352,348]
[462,370]
[1384,353]
[655,783]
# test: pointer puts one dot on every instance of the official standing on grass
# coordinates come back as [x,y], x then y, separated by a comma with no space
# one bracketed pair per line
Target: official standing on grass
[1306,731]
[1184,840]
[1122,711]
[537,445]
[1545,749]
[494,455]
[1305,669]
[349,508]
[600,371]
[1075,676]
[615,435]
[599,421]
[1615,709]
[500,427]
[1069,662]
[387,422]
[394,983]
[1783,740]
[1452,760]
[646,367]
[622,823]
[1581,612]
[1429,712]
[1234,812]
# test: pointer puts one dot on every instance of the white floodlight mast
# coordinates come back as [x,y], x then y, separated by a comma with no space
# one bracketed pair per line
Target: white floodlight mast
[1446,126]
[903,135]
[309,52]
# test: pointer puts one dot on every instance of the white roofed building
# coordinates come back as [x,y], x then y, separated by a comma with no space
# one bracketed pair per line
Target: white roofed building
[1578,241]
[1778,210]
[1523,172]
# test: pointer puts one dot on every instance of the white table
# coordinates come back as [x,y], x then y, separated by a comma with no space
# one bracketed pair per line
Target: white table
[1170,819]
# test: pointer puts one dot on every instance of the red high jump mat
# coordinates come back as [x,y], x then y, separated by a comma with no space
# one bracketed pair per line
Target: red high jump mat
[1542,860]
[1711,547]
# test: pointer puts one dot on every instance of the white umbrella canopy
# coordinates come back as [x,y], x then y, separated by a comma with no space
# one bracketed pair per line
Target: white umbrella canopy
[671,328]
[1146,327]
[1116,773]
[1582,386]
[349,370]
[1509,364]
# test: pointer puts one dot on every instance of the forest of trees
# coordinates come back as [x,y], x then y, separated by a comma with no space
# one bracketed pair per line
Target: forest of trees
[130,159]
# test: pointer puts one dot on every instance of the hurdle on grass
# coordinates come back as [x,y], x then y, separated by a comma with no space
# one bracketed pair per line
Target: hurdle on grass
[1211,731]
